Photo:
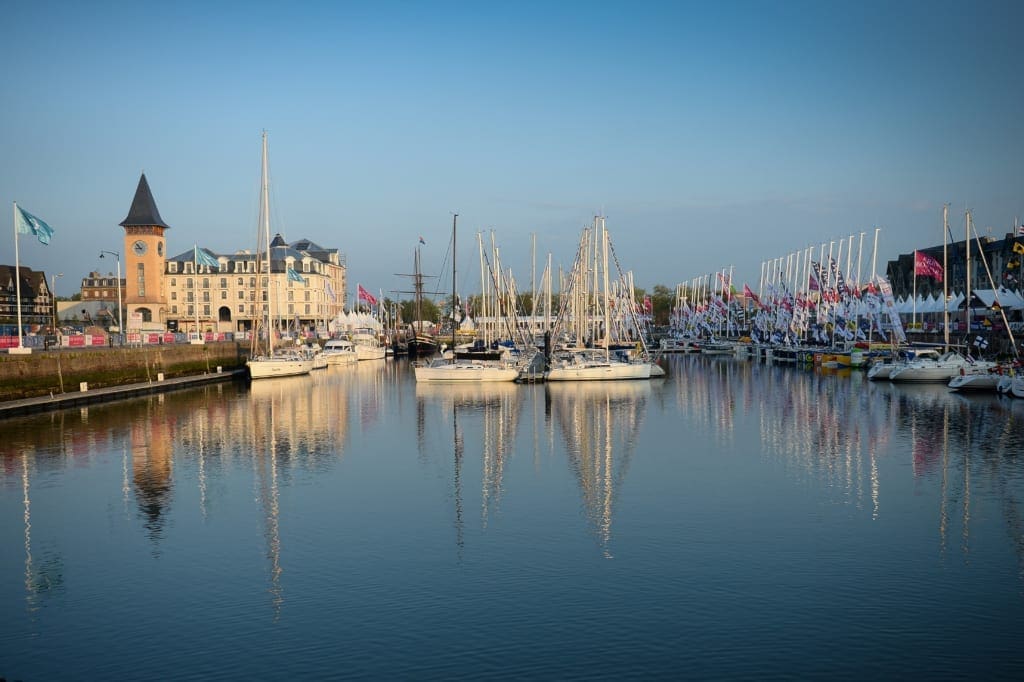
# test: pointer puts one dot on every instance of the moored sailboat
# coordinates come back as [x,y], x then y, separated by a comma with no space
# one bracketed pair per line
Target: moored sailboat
[280,362]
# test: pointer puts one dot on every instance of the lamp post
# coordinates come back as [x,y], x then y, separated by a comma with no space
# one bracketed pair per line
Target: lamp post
[53,293]
[120,326]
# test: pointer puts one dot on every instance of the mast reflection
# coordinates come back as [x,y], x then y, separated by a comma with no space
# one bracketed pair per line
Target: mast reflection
[484,419]
[599,421]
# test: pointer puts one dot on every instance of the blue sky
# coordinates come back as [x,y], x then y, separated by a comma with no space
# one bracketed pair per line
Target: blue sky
[710,134]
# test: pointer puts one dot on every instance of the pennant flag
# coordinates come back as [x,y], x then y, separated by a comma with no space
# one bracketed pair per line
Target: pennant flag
[1020,229]
[926,265]
[422,240]
[29,224]
[204,258]
[295,277]
[1018,247]
[365,295]
[751,295]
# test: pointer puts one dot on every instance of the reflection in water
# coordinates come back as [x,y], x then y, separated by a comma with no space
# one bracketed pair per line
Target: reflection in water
[830,429]
[490,414]
[599,421]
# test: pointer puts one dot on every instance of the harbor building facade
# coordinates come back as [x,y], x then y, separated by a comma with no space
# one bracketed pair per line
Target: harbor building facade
[199,290]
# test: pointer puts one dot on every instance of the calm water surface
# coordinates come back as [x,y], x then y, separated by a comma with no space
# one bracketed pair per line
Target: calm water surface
[733,520]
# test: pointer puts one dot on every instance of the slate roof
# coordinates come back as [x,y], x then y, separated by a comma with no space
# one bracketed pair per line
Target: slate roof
[143,210]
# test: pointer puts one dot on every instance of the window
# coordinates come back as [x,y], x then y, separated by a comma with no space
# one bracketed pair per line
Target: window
[241,281]
[223,282]
[307,309]
[241,295]
[206,297]
[140,278]
[241,309]
[252,282]
[174,280]
[206,282]
[223,295]
[206,311]
[190,297]
[172,266]
[174,310]
[191,311]
[174,295]
[307,295]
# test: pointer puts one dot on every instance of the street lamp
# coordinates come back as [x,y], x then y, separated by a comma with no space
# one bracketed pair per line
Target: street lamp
[120,326]
[53,293]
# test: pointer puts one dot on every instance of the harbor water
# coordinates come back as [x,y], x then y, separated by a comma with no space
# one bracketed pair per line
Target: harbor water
[735,519]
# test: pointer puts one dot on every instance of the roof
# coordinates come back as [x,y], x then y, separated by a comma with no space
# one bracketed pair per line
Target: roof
[143,210]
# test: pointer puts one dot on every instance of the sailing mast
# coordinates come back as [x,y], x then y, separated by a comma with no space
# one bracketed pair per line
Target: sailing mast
[455,217]
[945,277]
[265,215]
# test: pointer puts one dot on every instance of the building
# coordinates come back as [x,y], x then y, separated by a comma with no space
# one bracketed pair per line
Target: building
[36,299]
[99,287]
[305,287]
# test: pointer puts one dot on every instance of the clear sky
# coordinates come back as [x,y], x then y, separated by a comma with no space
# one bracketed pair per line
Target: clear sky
[710,134]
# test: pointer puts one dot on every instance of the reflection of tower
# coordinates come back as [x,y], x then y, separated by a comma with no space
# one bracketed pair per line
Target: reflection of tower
[151,471]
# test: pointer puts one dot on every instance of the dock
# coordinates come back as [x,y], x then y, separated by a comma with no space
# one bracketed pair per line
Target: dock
[60,401]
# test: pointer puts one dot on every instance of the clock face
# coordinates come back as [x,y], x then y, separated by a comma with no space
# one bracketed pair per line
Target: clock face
[159,248]
[139,248]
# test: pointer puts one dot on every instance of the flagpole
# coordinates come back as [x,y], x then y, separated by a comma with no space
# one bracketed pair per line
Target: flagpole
[17,280]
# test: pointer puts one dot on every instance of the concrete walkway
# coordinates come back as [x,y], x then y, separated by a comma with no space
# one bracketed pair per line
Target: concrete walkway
[61,401]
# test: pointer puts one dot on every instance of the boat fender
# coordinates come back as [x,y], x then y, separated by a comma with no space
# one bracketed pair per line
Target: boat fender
[961,371]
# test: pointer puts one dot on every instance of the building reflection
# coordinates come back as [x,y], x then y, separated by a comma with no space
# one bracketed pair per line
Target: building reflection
[600,422]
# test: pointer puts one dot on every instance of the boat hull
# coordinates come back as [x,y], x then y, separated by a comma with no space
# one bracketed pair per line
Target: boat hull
[464,372]
[264,368]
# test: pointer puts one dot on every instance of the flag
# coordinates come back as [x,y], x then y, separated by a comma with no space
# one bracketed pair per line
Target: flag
[330,292]
[981,342]
[751,295]
[204,258]
[422,240]
[1020,230]
[1018,247]
[295,277]
[365,295]
[926,265]
[26,223]
[648,306]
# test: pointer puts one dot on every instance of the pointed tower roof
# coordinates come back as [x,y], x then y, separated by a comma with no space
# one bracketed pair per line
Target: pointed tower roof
[143,210]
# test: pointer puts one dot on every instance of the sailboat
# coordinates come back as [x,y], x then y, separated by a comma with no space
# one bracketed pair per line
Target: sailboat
[594,363]
[421,343]
[451,369]
[282,362]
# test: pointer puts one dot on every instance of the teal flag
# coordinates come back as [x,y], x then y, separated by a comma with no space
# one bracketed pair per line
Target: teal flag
[295,277]
[204,258]
[29,224]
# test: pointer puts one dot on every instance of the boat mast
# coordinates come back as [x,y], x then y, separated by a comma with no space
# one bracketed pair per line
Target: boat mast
[945,277]
[967,307]
[455,217]
[265,210]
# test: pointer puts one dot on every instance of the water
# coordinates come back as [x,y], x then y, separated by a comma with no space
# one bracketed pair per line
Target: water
[733,520]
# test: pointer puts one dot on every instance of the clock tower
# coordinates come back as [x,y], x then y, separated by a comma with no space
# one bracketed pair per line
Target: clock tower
[145,260]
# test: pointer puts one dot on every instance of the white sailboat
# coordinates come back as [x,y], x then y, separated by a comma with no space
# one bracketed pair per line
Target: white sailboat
[579,363]
[449,369]
[281,362]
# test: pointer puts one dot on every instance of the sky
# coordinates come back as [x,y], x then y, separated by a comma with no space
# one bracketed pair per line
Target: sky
[711,135]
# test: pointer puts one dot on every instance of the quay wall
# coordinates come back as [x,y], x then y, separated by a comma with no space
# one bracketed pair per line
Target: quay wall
[62,371]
